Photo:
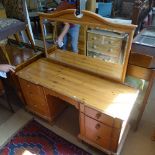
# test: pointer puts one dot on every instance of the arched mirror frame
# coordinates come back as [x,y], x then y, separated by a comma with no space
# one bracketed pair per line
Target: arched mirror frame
[109,70]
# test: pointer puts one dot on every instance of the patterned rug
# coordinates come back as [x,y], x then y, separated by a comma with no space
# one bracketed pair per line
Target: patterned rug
[35,139]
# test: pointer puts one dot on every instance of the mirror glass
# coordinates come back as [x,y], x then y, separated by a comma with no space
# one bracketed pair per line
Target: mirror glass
[34,7]
[106,45]
[91,43]
[97,43]
[49,6]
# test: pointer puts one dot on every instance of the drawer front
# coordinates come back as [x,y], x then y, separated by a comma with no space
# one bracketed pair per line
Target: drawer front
[104,44]
[101,48]
[103,57]
[104,40]
[98,132]
[103,118]
[34,97]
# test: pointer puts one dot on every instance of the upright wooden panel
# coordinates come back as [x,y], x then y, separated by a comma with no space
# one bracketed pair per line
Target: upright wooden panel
[92,20]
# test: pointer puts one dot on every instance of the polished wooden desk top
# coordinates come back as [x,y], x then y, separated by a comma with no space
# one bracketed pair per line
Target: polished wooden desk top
[98,93]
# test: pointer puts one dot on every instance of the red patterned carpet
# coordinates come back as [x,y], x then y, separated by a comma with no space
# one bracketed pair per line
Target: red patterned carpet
[35,139]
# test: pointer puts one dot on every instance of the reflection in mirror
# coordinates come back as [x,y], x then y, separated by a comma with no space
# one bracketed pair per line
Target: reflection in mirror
[34,7]
[65,36]
[101,44]
[49,29]
[106,45]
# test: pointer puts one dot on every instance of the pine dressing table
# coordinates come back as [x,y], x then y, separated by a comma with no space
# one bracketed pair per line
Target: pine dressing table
[94,85]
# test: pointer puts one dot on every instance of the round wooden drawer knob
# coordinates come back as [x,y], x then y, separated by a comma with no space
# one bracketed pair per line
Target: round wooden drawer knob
[97,126]
[98,115]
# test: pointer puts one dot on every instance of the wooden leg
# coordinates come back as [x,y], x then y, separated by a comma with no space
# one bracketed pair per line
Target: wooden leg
[142,108]
[17,37]
[3,47]
[1,88]
[29,37]
[8,102]
[6,94]
[54,30]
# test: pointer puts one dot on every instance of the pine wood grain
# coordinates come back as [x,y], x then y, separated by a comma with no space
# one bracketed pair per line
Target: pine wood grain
[100,94]
[112,71]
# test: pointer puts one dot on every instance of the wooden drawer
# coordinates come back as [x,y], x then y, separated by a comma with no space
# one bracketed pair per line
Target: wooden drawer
[103,135]
[109,51]
[98,132]
[104,47]
[103,57]
[35,98]
[103,118]
[104,40]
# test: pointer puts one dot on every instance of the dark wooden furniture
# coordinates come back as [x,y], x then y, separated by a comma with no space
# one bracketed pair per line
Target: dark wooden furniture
[135,10]
[15,22]
[5,91]
[34,17]
[142,65]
